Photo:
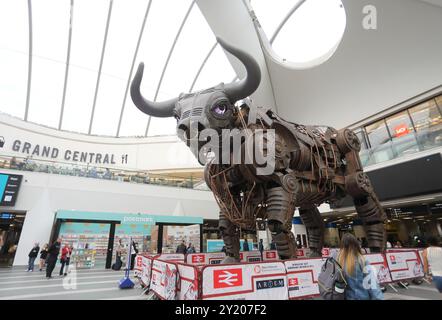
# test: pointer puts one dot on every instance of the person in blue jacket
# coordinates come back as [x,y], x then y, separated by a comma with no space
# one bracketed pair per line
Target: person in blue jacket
[361,278]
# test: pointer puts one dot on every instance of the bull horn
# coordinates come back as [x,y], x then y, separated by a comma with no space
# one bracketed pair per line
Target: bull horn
[162,109]
[245,87]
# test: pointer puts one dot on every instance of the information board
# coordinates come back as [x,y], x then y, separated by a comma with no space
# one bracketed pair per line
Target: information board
[9,187]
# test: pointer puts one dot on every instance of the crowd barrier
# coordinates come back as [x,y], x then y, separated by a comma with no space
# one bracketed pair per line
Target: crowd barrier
[203,277]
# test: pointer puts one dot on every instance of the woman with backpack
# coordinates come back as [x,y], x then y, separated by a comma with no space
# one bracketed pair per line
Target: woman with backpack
[360,277]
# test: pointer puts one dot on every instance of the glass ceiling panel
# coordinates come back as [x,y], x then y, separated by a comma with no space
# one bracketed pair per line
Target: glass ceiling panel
[194,43]
[13,56]
[50,41]
[161,28]
[124,29]
[217,69]
[310,33]
[89,22]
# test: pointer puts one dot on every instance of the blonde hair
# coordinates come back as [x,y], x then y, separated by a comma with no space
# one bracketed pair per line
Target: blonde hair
[350,254]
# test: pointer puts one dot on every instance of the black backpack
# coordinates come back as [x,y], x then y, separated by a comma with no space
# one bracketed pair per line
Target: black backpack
[331,281]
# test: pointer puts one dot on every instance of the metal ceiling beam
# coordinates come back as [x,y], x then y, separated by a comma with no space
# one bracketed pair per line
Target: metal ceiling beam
[28,91]
[109,14]
[202,66]
[68,58]
[168,59]
[132,66]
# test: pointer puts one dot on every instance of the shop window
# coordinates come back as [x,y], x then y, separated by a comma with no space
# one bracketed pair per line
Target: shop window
[380,143]
[428,123]
[364,154]
[402,133]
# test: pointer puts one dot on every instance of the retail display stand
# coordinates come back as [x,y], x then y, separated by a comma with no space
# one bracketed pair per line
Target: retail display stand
[126,283]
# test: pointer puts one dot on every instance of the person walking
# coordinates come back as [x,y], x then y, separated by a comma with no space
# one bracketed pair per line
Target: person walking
[65,259]
[190,248]
[245,245]
[433,262]
[134,252]
[53,252]
[43,256]
[357,271]
[118,253]
[181,248]
[261,249]
[32,256]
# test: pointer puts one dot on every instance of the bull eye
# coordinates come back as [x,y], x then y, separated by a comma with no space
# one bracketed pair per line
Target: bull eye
[220,109]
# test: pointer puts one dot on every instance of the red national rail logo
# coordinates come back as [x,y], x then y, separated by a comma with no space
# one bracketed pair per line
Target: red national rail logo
[293,282]
[227,278]
[270,255]
[198,258]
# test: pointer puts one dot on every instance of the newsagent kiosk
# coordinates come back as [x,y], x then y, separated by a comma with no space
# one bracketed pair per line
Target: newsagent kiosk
[95,236]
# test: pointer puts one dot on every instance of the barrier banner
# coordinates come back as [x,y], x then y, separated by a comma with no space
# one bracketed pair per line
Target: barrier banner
[302,277]
[187,282]
[270,255]
[404,265]
[146,270]
[138,265]
[201,259]
[250,256]
[302,253]
[379,263]
[174,257]
[164,279]
[253,281]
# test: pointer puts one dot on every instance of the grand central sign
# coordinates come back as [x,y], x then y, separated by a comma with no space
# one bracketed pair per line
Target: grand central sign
[51,152]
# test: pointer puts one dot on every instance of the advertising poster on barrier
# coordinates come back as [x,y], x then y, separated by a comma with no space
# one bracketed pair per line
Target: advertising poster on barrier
[175,257]
[302,253]
[270,255]
[254,281]
[146,270]
[378,261]
[138,265]
[163,280]
[187,282]
[250,256]
[302,277]
[201,259]
[404,265]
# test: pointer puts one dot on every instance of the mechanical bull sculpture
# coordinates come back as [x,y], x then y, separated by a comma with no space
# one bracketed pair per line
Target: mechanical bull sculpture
[312,165]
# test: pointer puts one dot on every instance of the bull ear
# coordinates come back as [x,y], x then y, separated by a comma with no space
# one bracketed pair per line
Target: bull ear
[245,87]
[155,109]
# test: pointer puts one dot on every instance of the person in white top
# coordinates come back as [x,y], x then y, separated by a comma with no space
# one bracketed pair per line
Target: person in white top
[433,262]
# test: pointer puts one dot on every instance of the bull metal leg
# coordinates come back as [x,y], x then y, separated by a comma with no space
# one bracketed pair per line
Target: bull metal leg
[230,235]
[373,217]
[311,217]
[280,209]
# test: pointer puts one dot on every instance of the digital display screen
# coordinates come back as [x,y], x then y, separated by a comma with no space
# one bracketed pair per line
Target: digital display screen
[9,186]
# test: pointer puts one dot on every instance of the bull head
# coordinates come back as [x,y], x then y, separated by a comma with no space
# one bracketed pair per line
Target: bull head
[211,108]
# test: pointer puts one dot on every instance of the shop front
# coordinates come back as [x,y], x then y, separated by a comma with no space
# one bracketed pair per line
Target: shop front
[94,235]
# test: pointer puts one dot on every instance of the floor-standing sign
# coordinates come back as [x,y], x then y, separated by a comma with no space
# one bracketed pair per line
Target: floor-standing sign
[404,265]
[302,277]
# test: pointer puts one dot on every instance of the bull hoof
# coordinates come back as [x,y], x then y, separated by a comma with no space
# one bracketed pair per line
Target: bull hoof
[230,260]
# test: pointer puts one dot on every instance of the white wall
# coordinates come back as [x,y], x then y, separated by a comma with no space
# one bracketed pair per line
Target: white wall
[41,195]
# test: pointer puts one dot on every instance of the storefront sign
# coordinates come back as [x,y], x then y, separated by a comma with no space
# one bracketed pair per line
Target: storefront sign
[254,281]
[164,279]
[188,285]
[379,263]
[404,265]
[302,277]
